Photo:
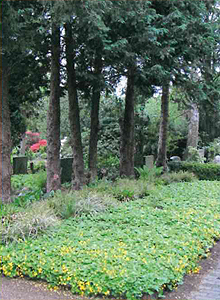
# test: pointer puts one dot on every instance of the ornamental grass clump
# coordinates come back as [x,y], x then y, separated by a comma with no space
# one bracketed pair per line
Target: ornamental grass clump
[28,223]
[73,204]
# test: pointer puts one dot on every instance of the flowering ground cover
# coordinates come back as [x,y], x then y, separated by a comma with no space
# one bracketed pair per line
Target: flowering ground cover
[140,247]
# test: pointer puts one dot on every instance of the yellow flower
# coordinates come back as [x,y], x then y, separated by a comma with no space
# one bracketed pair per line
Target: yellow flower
[68,278]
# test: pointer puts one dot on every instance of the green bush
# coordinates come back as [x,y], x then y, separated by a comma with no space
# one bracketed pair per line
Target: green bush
[29,181]
[204,171]
[28,188]
[27,197]
[149,174]
[193,155]
[181,176]
[129,189]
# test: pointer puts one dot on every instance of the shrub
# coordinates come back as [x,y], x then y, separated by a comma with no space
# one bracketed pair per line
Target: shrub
[129,189]
[26,197]
[206,171]
[193,155]
[29,181]
[181,176]
[213,149]
[149,173]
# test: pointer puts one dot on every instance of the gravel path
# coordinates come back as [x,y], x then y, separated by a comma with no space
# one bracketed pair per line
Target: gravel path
[23,289]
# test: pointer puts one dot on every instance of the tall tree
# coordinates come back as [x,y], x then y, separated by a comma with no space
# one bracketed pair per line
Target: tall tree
[162,143]
[53,115]
[74,115]
[94,124]
[180,46]
[5,136]
[127,140]
[133,35]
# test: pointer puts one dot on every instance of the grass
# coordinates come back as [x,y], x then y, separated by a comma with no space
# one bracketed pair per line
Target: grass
[133,249]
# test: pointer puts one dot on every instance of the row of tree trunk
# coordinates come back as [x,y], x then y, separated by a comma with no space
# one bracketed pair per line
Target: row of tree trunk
[53,122]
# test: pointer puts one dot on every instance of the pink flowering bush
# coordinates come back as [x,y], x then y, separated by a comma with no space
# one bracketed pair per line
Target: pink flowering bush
[34,144]
[40,146]
[35,147]
[32,138]
[43,143]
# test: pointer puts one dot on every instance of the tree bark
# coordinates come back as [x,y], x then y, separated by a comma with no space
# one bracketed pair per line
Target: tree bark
[5,138]
[53,115]
[162,143]
[94,127]
[74,117]
[193,129]
[127,140]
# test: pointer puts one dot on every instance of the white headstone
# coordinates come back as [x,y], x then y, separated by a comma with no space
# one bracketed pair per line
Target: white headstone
[149,161]
[217,159]
[175,158]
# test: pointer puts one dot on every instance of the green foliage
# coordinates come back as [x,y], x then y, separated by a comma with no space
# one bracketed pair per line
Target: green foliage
[177,128]
[28,188]
[26,197]
[150,174]
[124,252]
[29,181]
[213,149]
[206,171]
[193,155]
[39,167]
[128,189]
[181,176]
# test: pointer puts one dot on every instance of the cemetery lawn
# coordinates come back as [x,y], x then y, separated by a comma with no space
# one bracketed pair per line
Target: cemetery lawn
[141,247]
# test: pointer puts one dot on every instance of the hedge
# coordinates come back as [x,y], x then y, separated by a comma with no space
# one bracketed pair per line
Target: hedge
[204,171]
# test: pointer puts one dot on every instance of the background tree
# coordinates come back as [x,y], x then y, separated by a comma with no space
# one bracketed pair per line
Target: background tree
[16,18]
[74,116]
[53,115]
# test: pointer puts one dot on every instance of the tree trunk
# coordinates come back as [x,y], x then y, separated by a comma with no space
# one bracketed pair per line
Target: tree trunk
[127,140]
[53,115]
[74,118]
[5,139]
[162,143]
[94,127]
[193,129]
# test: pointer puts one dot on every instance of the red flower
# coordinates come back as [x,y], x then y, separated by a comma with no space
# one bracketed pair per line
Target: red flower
[43,142]
[35,147]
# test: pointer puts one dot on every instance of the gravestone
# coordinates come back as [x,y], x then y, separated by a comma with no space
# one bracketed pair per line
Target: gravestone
[20,165]
[175,158]
[66,169]
[201,152]
[217,159]
[149,161]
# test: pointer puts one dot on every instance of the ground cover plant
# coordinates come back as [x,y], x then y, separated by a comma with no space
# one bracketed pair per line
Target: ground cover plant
[139,247]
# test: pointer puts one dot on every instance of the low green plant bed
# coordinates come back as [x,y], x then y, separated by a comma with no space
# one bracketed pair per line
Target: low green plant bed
[140,247]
